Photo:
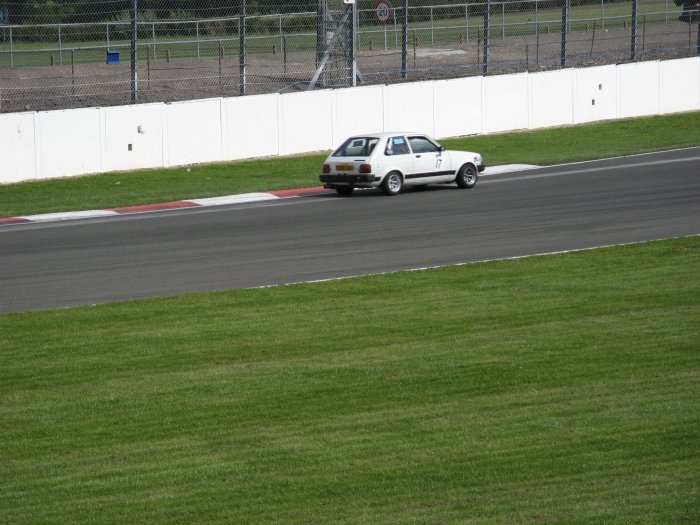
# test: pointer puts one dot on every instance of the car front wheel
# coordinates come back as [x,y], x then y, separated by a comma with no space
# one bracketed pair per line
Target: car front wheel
[392,184]
[467,176]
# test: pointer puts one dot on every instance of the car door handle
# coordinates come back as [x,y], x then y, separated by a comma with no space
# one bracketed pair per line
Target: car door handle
[417,156]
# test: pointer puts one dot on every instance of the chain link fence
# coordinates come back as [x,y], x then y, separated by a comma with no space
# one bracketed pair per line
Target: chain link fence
[67,54]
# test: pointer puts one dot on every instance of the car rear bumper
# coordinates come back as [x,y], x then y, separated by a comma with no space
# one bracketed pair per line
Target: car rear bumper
[349,179]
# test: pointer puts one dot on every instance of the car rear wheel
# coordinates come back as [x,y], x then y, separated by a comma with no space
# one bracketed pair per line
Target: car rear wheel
[344,191]
[392,183]
[467,176]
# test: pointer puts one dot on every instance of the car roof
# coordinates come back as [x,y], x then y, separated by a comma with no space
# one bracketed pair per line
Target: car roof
[384,134]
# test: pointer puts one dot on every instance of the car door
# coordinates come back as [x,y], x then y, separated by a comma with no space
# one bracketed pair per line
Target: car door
[400,157]
[431,163]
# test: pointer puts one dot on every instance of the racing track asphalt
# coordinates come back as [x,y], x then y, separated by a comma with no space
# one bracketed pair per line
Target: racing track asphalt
[560,208]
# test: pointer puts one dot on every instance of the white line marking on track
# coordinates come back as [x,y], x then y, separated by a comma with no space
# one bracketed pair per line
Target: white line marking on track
[481,261]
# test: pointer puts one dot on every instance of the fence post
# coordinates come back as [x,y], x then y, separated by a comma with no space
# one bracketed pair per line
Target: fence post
[60,45]
[487,25]
[134,64]
[241,49]
[197,32]
[354,24]
[153,35]
[72,71]
[281,33]
[12,55]
[466,21]
[404,42]
[698,45]
[564,30]
[503,20]
[633,43]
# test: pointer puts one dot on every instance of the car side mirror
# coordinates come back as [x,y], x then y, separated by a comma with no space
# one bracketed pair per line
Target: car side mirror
[441,149]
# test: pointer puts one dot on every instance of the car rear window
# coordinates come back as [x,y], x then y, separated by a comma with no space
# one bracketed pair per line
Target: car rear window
[356,147]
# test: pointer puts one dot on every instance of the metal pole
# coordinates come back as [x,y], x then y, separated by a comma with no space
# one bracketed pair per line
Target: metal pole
[241,48]
[633,44]
[320,30]
[281,32]
[354,44]
[134,65]
[12,55]
[564,30]
[60,45]
[487,26]
[404,42]
[698,45]
[72,71]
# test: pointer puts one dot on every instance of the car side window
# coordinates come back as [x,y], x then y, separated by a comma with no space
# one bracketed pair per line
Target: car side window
[423,145]
[397,146]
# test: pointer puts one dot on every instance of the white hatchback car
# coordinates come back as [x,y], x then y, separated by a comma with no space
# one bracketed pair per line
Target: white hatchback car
[391,161]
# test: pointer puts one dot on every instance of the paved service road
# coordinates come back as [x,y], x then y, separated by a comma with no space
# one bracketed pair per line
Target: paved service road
[551,209]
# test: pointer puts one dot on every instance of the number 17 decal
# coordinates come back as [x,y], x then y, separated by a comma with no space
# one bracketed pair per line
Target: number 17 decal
[438,162]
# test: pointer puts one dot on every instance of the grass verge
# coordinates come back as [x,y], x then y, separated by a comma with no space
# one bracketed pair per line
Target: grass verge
[542,147]
[561,389]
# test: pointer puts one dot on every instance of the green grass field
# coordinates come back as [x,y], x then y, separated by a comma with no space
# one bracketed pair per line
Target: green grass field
[555,389]
[540,147]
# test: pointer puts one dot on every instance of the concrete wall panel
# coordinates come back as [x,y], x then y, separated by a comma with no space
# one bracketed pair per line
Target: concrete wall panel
[595,94]
[356,111]
[505,103]
[458,107]
[306,123]
[17,147]
[551,98]
[679,85]
[193,132]
[639,89]
[409,107]
[70,143]
[133,137]
[252,128]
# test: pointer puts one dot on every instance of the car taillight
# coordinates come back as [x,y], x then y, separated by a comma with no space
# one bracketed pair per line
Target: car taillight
[326,168]
[365,168]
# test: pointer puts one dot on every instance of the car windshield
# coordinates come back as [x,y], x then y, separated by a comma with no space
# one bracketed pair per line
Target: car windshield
[356,147]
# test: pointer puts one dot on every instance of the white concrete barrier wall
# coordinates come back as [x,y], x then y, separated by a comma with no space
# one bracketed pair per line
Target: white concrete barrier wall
[17,147]
[132,137]
[595,94]
[96,140]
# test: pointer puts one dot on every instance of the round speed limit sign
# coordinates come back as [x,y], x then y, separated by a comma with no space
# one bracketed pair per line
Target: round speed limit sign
[383,11]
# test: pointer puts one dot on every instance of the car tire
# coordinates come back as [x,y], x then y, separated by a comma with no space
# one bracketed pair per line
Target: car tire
[344,191]
[467,176]
[392,183]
